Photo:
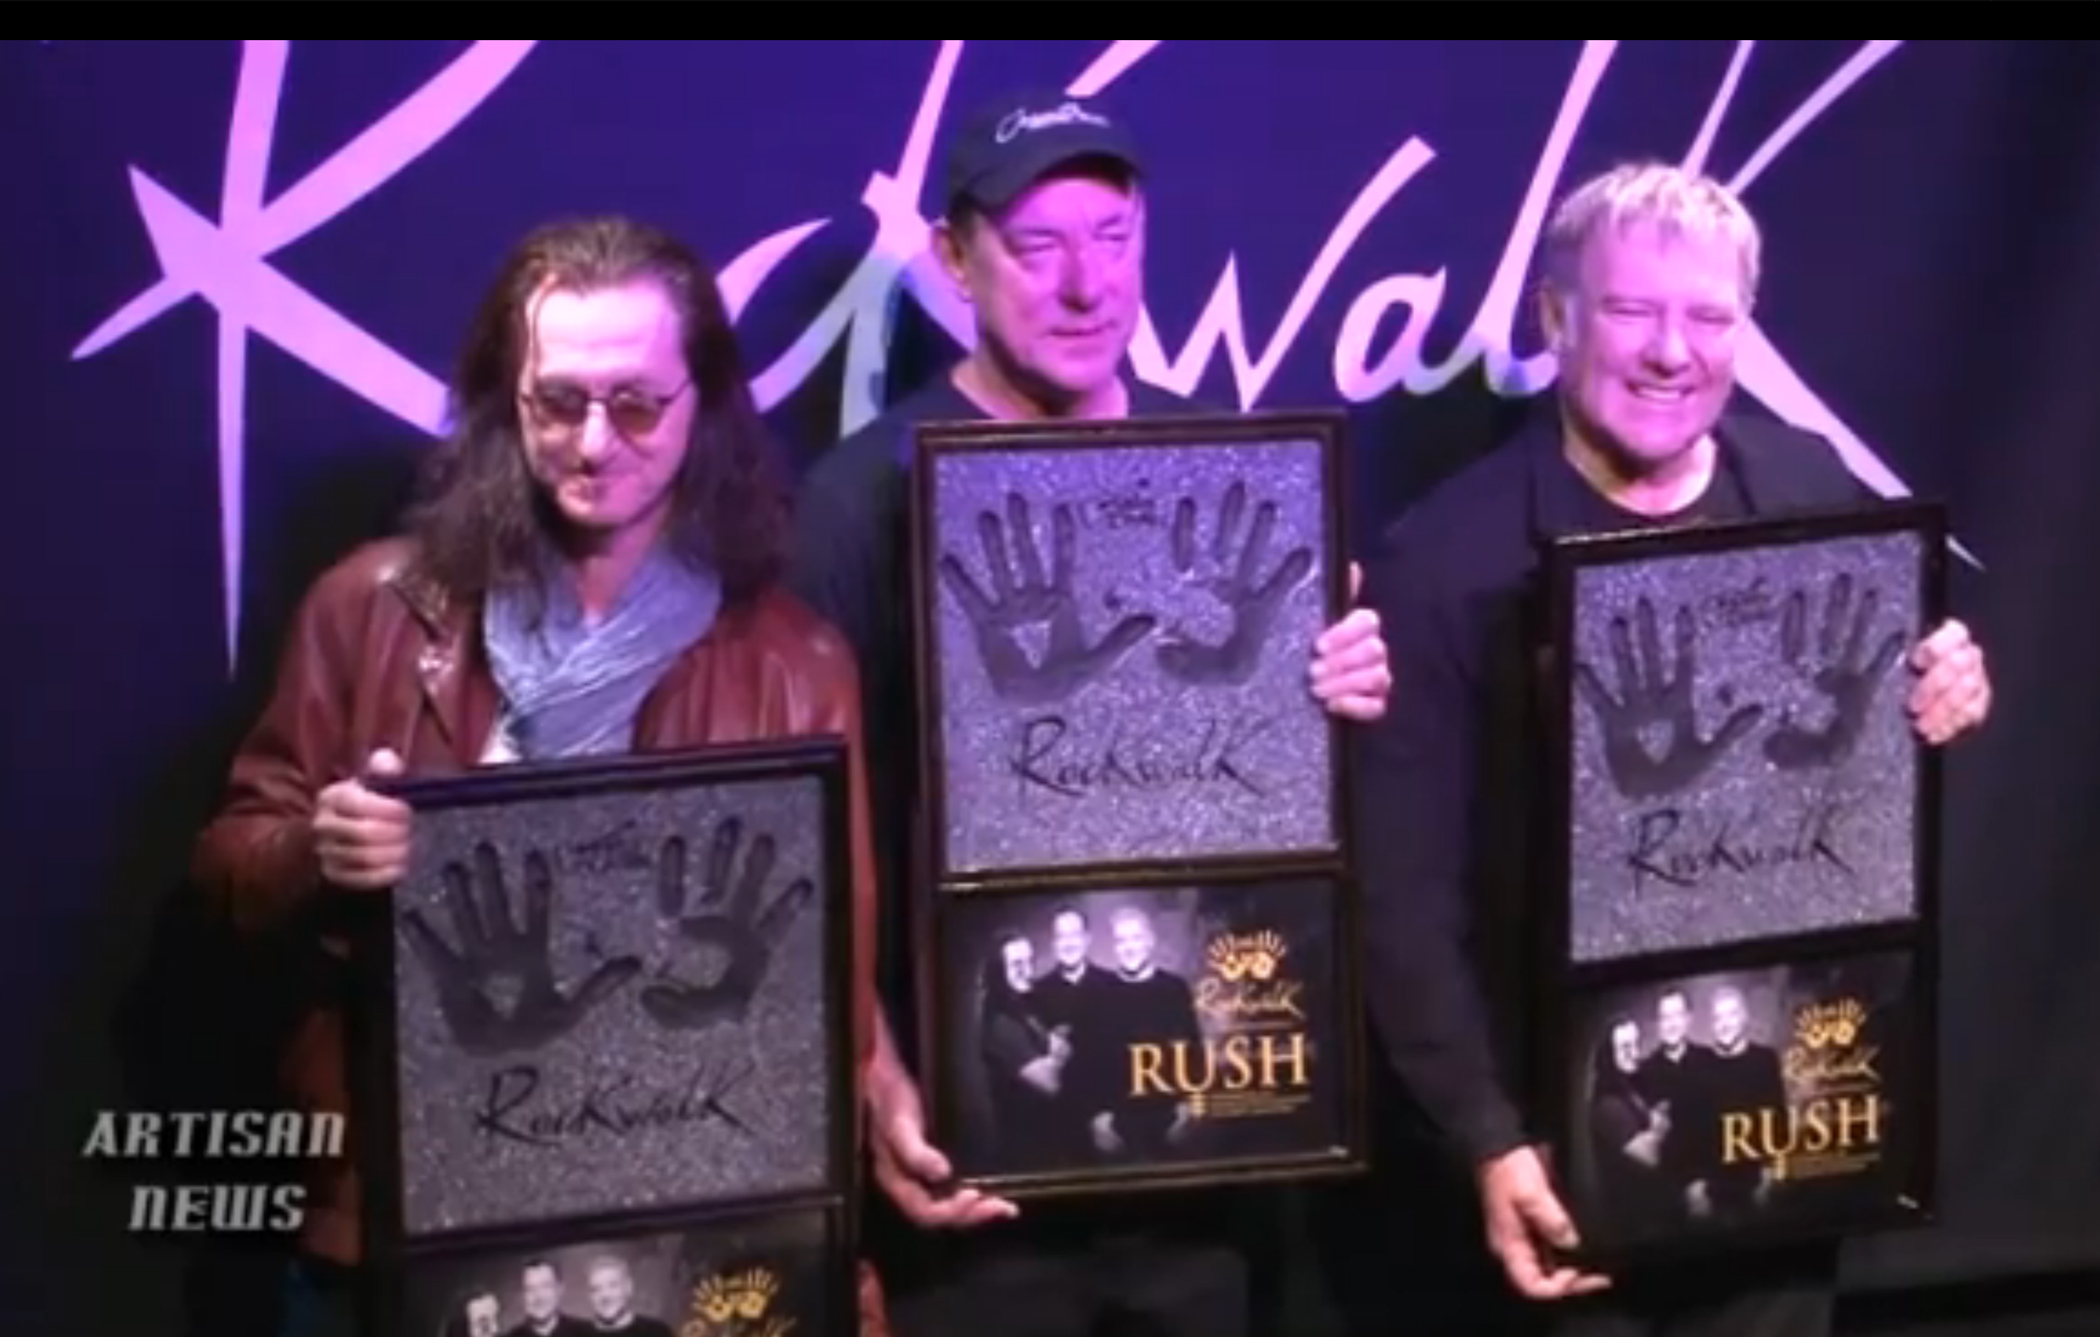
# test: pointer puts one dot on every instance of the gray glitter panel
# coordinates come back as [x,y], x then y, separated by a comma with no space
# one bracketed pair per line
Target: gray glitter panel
[667,1045]
[1121,680]
[1772,792]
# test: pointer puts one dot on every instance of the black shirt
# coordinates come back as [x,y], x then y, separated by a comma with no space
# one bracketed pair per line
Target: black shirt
[1686,1084]
[1085,1005]
[1749,1082]
[1448,781]
[1157,1009]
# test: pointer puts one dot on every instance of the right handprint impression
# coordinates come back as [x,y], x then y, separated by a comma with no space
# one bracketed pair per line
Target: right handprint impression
[1034,598]
[730,920]
[1237,583]
[1846,674]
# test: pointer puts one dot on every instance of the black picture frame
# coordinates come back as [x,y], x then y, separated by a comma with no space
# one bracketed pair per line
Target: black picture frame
[1723,939]
[970,846]
[1291,1106]
[792,890]
[763,1269]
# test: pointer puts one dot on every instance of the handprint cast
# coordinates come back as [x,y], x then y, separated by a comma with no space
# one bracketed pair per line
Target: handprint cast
[1651,696]
[1034,599]
[1236,583]
[746,934]
[1230,571]
[1655,697]
[494,949]
[1847,677]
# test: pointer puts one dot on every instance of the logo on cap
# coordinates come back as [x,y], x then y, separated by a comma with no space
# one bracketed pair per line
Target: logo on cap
[1021,120]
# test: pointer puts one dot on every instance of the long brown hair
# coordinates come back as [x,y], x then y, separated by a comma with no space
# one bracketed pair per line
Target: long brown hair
[479,519]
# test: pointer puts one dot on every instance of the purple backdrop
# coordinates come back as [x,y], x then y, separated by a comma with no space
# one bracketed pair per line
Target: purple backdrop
[241,267]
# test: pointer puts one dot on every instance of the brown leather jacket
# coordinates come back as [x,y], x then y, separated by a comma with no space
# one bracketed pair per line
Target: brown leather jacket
[377,658]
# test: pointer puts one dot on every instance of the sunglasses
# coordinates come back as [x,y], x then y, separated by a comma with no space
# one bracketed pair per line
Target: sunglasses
[632,413]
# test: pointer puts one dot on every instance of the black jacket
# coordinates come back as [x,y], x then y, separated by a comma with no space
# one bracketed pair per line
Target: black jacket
[1450,782]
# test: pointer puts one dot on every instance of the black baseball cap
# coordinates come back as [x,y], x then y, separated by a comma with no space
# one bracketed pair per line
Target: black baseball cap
[1010,143]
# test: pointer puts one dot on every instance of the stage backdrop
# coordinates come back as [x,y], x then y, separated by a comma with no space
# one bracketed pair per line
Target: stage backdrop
[239,270]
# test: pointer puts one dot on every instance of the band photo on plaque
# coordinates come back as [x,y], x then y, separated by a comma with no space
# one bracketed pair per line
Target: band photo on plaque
[1788,1099]
[1116,619]
[1740,764]
[1109,1037]
[779,1275]
[616,987]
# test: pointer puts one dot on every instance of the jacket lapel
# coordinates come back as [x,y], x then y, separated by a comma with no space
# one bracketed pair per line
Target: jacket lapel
[459,701]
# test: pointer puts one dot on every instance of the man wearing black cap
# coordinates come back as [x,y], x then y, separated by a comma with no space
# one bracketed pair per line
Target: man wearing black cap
[1043,233]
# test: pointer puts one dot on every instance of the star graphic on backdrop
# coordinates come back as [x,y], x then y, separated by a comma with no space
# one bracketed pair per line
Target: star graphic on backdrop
[226,262]
[1761,368]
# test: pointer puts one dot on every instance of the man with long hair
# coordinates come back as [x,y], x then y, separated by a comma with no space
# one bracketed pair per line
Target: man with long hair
[591,568]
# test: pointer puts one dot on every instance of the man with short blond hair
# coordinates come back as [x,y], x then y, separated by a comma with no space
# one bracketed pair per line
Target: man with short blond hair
[610,1283]
[1650,276]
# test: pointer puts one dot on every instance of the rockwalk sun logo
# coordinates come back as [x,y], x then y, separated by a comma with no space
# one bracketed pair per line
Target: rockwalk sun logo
[227,262]
[737,1304]
[1822,1026]
[1252,956]
[1259,1055]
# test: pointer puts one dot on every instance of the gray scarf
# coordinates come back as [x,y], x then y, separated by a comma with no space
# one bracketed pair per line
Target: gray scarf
[572,687]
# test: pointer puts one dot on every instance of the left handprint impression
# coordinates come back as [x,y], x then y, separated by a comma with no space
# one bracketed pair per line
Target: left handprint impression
[494,948]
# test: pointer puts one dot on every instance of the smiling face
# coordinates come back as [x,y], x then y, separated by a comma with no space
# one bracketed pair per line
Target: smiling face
[1731,1019]
[612,1291]
[541,1292]
[1673,1020]
[1647,340]
[1017,959]
[1626,1046]
[1069,939]
[1133,941]
[607,405]
[1056,279]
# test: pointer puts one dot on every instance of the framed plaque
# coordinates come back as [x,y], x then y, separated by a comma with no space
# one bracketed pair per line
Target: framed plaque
[1741,1013]
[778,1273]
[612,987]
[1737,761]
[1116,619]
[1109,1038]
[1755,1104]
